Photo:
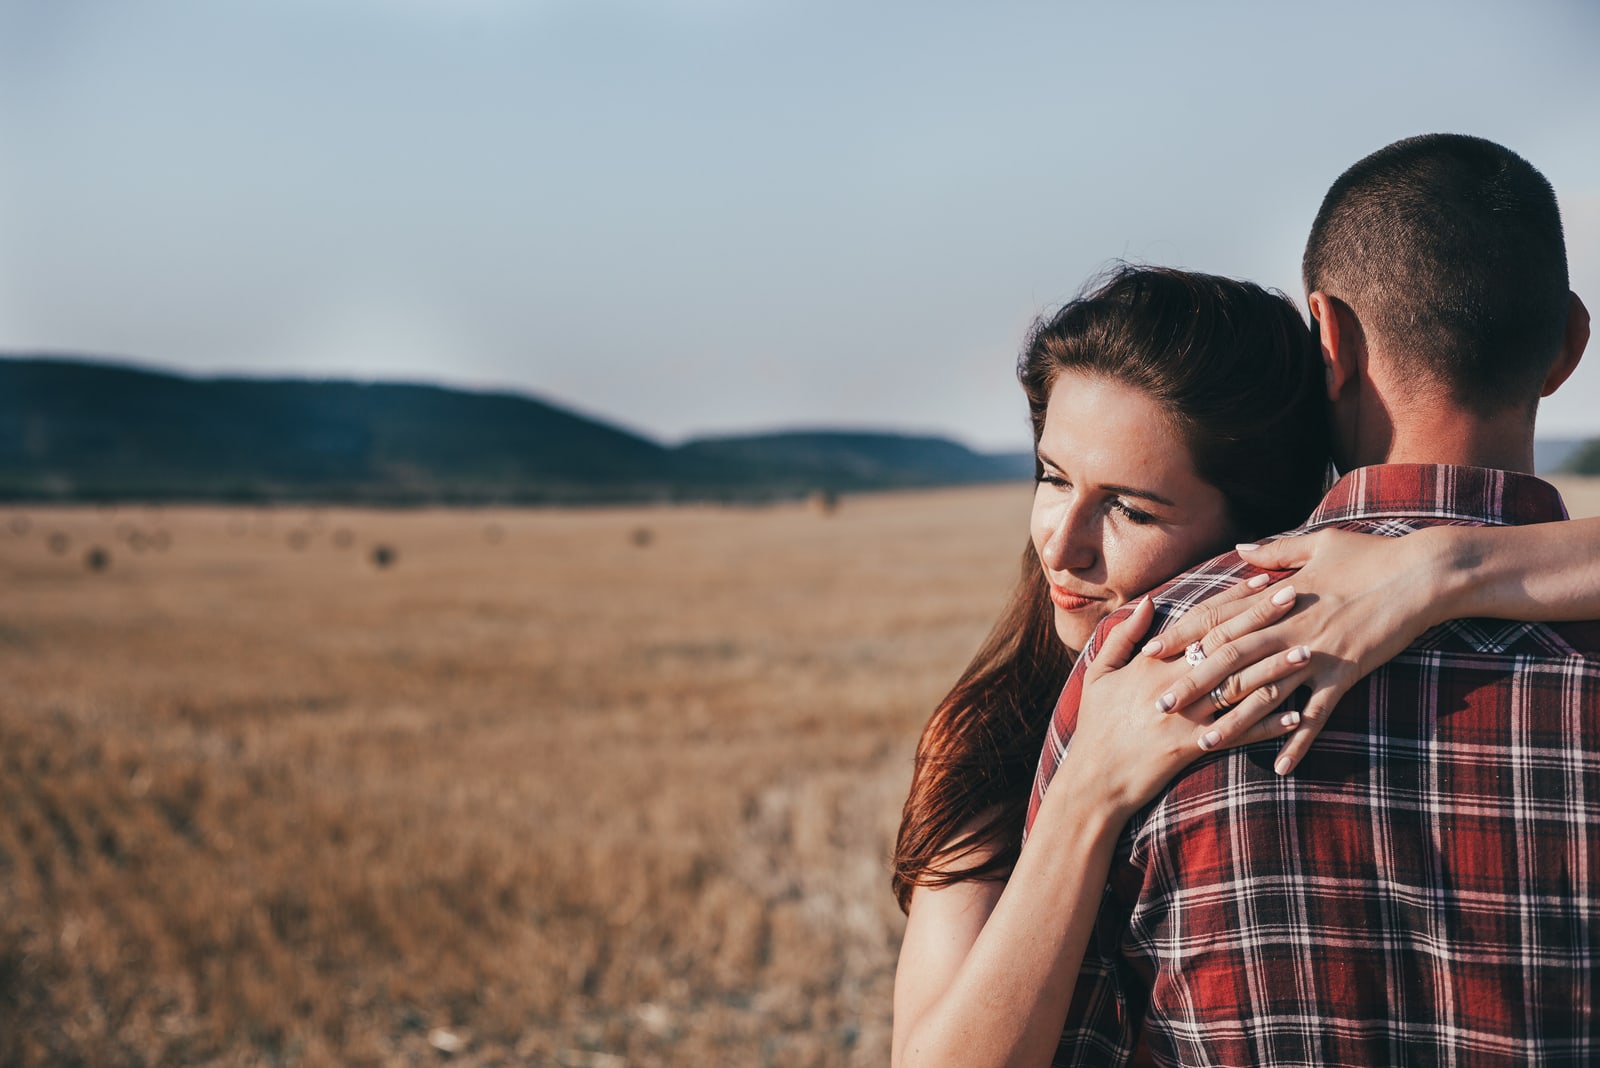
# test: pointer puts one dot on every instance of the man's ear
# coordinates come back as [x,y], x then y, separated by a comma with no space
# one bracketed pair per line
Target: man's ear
[1572,346]
[1337,334]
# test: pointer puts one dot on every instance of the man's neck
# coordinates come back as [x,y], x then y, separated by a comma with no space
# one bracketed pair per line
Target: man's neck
[1428,430]
[1463,442]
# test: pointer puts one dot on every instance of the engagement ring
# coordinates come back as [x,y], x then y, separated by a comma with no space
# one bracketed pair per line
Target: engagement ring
[1194,654]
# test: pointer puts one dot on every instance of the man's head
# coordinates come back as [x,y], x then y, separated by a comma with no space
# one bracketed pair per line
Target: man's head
[1443,258]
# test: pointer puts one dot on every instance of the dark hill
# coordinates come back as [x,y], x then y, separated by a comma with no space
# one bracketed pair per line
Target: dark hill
[1553,455]
[1583,459]
[83,430]
[846,460]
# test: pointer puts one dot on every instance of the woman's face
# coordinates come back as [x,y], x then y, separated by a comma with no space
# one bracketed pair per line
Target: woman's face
[1118,509]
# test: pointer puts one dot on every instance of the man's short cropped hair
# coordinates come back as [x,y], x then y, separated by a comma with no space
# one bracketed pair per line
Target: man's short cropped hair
[1449,251]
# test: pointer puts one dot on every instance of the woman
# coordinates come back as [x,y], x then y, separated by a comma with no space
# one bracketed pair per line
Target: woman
[1174,414]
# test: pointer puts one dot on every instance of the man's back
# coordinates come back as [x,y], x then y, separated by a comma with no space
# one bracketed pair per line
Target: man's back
[1424,889]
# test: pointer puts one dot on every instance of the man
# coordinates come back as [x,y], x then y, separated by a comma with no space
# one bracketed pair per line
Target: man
[1425,887]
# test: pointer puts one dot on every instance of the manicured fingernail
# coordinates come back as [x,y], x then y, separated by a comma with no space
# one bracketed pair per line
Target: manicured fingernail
[1299,654]
[1246,546]
[1258,581]
[1284,596]
[1284,766]
[1209,739]
[1166,701]
[1289,719]
[1152,647]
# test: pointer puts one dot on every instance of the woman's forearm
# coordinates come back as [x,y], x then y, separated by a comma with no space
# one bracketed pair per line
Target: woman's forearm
[1008,1000]
[1544,572]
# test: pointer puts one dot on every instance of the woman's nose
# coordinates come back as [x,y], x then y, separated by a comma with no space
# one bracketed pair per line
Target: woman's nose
[1072,544]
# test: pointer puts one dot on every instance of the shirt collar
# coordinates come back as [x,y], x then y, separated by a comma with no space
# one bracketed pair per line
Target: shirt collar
[1440,491]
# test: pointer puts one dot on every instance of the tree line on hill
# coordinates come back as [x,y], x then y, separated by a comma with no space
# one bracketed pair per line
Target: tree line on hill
[1586,460]
[85,430]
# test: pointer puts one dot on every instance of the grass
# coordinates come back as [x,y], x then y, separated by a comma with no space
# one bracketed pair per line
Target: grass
[543,791]
[536,791]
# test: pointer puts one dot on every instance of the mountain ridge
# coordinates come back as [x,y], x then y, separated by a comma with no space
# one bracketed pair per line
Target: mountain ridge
[84,428]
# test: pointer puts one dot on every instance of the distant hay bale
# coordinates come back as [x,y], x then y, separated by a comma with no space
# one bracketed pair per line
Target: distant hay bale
[59,542]
[97,559]
[20,525]
[297,540]
[137,541]
[446,1041]
[494,534]
[383,556]
[642,536]
[824,502]
[343,538]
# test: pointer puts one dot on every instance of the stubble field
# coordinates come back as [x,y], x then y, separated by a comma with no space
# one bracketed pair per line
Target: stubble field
[556,787]
[583,788]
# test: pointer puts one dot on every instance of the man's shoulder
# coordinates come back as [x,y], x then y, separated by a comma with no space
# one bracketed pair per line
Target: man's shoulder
[1575,644]
[1217,574]
[1199,583]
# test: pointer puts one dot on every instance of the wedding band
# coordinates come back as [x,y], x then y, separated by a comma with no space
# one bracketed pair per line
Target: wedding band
[1194,654]
[1217,699]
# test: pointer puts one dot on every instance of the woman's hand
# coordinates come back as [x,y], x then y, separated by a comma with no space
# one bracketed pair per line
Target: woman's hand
[1362,599]
[1136,729]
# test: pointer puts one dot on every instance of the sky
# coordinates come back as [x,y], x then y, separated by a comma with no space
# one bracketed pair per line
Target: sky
[715,216]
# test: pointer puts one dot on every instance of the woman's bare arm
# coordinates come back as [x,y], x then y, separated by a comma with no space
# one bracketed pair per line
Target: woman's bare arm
[985,976]
[1541,573]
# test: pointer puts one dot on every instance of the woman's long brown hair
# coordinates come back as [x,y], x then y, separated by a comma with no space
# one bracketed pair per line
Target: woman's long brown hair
[976,759]
[1240,375]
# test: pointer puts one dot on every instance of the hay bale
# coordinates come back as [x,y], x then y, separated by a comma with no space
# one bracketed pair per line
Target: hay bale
[494,533]
[59,542]
[641,537]
[297,540]
[383,556]
[96,559]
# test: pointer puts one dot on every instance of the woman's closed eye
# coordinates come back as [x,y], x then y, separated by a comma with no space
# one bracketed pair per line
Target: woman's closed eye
[1121,507]
[1130,513]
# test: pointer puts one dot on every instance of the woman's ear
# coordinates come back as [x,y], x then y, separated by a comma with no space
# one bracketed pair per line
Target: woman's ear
[1336,334]
[1572,346]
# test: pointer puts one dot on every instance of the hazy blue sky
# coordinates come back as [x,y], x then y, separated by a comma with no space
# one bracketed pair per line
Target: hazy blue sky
[710,215]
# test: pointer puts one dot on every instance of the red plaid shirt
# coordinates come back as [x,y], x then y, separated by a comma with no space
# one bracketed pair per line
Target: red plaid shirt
[1423,889]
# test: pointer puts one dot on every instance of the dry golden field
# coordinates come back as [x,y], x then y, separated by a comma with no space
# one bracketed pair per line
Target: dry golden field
[584,788]
[551,797]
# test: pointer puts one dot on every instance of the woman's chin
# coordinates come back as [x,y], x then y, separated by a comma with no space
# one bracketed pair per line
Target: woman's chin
[1073,630]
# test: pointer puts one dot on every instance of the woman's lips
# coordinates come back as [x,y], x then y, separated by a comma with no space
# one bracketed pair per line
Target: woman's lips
[1069,601]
